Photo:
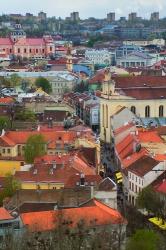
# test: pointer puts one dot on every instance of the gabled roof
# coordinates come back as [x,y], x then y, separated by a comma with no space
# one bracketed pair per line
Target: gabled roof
[134,157]
[126,146]
[149,136]
[98,214]
[143,165]
[106,185]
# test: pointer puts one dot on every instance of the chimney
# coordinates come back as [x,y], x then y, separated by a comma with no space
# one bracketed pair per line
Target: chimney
[82,179]
[92,192]
[35,171]
[38,128]
[134,147]
[54,164]
[51,171]
[3,133]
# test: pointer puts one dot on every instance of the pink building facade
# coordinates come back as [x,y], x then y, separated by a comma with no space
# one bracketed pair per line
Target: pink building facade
[19,45]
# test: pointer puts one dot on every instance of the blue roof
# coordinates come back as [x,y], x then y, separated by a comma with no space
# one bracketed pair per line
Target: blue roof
[81,68]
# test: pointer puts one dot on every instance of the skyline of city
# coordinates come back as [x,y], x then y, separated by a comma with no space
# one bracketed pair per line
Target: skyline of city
[88,8]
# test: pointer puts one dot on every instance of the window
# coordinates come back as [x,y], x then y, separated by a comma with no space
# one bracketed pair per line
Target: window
[147,111]
[136,179]
[10,50]
[3,150]
[37,50]
[25,50]
[161,111]
[8,150]
[132,188]
[133,109]
[43,50]
[129,184]
[30,51]
[50,48]
[18,50]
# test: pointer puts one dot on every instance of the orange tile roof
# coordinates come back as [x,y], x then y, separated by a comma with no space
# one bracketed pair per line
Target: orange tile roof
[123,128]
[149,136]
[98,214]
[126,146]
[21,137]
[134,157]
[81,166]
[66,167]
[160,157]
[6,100]
[4,214]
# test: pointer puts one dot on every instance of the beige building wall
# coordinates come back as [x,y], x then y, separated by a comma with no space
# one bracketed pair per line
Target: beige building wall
[110,104]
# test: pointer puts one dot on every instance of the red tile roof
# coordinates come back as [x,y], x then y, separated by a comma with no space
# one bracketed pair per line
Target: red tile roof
[6,100]
[126,146]
[66,167]
[4,214]
[139,81]
[143,165]
[149,136]
[134,157]
[146,93]
[161,188]
[98,214]
[123,128]
[90,180]
[21,137]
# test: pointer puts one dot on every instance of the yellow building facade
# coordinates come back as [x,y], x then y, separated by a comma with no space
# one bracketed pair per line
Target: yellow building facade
[9,167]
[41,185]
[111,101]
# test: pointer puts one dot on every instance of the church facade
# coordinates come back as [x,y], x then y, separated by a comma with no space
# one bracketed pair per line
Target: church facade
[19,45]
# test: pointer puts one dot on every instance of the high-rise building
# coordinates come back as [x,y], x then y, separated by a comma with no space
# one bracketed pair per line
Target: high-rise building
[132,16]
[154,16]
[111,17]
[42,15]
[74,16]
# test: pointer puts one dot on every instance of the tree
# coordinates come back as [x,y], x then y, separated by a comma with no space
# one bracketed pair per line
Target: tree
[4,122]
[150,200]
[25,115]
[144,240]
[81,87]
[15,80]
[35,146]
[11,185]
[43,83]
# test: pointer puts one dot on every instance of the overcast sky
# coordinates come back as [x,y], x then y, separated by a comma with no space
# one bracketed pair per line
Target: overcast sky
[87,8]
